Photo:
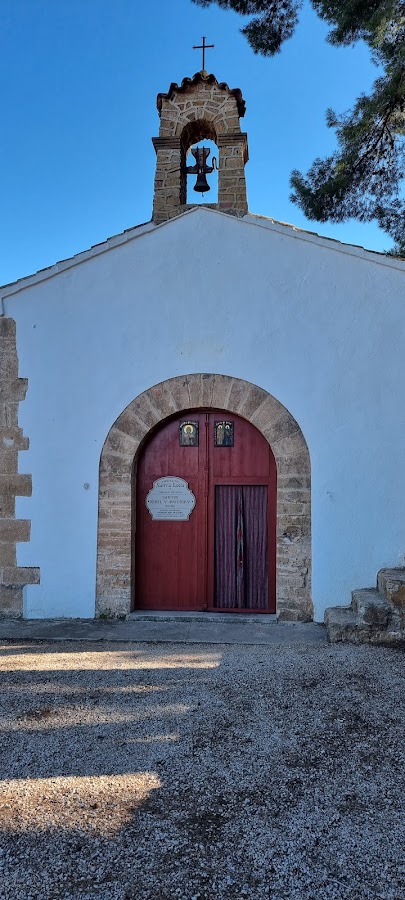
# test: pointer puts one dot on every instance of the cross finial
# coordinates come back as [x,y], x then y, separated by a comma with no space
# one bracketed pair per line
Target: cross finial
[203,47]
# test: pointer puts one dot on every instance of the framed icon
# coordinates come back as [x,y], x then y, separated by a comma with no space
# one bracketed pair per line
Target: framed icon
[223,434]
[189,434]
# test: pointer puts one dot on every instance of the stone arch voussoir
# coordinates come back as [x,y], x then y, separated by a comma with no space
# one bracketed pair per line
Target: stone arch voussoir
[114,541]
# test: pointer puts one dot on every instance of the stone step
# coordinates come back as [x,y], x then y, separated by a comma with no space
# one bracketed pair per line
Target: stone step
[376,615]
[340,623]
[391,583]
[205,617]
[371,607]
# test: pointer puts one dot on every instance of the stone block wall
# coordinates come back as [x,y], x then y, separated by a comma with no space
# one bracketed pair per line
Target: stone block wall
[13,578]
[200,99]
[200,108]
[170,192]
[232,196]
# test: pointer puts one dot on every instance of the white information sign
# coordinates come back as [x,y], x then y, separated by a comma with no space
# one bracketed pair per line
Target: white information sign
[170,499]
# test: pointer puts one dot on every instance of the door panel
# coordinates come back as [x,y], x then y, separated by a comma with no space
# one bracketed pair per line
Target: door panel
[170,555]
[249,456]
[182,564]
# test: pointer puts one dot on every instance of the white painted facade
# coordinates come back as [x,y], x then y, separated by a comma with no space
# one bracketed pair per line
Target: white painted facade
[317,324]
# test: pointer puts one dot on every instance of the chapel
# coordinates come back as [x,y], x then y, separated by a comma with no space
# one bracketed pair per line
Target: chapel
[203,413]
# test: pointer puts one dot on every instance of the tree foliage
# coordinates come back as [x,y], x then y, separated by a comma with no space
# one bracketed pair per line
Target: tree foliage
[364,178]
[273,21]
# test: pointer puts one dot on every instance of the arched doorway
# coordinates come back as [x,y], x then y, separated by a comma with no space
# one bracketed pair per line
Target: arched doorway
[205,524]
[118,468]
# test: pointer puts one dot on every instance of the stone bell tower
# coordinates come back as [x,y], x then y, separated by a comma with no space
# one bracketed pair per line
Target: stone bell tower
[200,108]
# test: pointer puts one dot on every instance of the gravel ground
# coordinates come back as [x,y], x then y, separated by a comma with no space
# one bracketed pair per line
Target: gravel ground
[198,772]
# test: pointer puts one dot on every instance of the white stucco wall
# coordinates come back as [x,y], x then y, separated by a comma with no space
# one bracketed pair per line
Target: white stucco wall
[318,325]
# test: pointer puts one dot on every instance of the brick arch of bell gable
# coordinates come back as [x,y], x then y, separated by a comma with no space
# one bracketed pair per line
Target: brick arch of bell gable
[199,130]
[115,563]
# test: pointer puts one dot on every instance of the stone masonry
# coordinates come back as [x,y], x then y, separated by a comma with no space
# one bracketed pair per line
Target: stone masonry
[375,616]
[199,108]
[13,578]
[115,558]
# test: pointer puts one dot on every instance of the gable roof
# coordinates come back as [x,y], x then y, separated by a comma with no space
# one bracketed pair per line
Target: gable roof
[49,271]
[137,231]
[376,256]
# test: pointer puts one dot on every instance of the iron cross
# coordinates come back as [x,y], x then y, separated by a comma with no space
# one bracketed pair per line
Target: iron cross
[203,47]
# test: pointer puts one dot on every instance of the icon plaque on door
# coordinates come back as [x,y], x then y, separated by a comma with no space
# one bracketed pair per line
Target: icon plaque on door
[223,434]
[189,434]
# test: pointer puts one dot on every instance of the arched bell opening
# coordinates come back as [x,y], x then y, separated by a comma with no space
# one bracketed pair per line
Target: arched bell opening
[200,161]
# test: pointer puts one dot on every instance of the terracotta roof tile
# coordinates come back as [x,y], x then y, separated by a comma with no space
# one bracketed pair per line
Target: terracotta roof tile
[198,78]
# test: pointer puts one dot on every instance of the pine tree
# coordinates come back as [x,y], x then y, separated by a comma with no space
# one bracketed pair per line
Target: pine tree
[364,178]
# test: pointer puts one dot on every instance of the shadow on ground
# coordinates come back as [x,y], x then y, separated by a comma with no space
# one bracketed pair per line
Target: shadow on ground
[201,772]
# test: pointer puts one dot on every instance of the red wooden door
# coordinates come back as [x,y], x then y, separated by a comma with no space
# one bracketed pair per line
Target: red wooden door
[222,557]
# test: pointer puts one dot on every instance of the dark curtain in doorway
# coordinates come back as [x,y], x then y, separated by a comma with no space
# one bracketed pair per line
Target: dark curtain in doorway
[241,547]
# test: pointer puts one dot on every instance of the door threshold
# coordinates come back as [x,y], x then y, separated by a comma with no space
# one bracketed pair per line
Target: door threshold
[159,615]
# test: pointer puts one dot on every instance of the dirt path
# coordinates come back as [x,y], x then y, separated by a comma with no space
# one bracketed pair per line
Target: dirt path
[146,771]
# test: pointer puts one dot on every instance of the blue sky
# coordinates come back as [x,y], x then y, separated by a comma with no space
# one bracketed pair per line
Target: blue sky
[79,83]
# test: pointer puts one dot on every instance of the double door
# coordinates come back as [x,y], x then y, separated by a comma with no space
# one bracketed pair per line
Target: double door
[205,516]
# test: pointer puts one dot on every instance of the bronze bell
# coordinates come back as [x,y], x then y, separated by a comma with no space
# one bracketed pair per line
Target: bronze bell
[201,169]
[201,184]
